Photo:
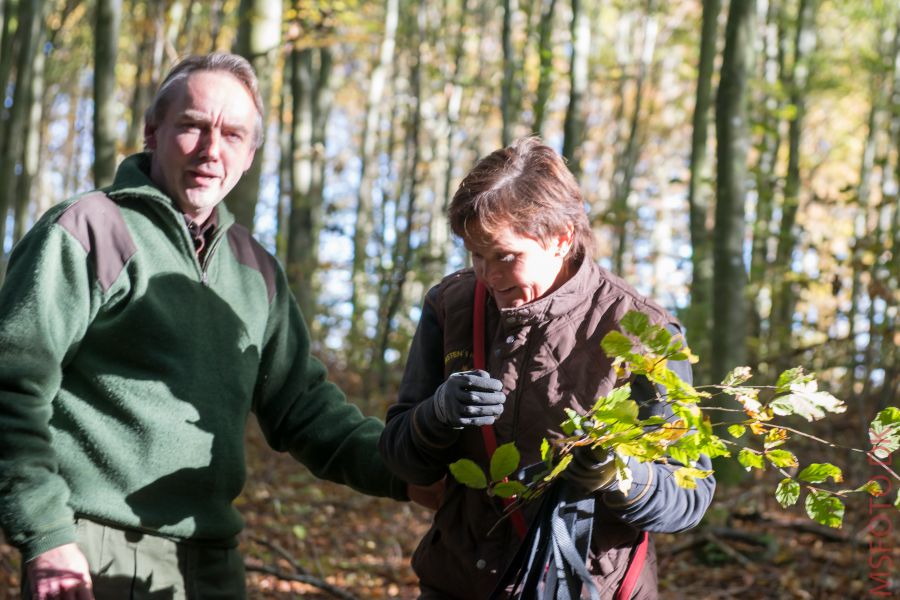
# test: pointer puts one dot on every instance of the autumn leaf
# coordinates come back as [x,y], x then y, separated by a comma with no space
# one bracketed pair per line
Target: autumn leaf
[805,400]
[750,459]
[884,432]
[781,458]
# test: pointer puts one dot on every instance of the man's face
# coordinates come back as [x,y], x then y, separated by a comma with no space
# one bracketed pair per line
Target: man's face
[204,143]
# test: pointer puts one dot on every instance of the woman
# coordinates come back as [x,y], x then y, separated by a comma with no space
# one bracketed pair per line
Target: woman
[521,216]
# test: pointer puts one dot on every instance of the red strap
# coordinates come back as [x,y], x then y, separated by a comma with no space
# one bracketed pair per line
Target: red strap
[487,431]
[634,568]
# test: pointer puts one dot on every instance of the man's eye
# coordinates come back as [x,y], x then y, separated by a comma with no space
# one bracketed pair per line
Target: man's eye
[508,258]
[234,136]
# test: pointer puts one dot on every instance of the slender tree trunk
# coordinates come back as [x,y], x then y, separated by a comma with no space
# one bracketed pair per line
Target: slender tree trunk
[7,39]
[30,23]
[508,86]
[545,77]
[766,177]
[439,228]
[627,160]
[309,86]
[573,126]
[106,51]
[784,299]
[31,146]
[403,250]
[729,273]
[363,225]
[141,88]
[860,226]
[698,320]
[259,41]
[216,16]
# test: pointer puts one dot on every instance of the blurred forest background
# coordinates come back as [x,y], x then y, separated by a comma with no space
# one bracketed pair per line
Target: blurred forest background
[740,161]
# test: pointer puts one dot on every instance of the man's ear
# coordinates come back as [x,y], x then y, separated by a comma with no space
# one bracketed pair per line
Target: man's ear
[149,136]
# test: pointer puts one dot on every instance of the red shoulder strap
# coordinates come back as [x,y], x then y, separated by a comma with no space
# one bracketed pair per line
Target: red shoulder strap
[479,362]
[634,568]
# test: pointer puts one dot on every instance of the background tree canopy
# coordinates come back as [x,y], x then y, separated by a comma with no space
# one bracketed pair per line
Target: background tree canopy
[740,160]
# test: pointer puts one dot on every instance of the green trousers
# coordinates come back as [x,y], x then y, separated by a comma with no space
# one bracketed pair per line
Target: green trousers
[129,565]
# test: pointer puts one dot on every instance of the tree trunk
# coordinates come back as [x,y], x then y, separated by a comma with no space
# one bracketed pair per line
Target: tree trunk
[545,77]
[729,273]
[698,319]
[784,298]
[106,108]
[363,226]
[141,88]
[627,160]
[309,93]
[508,86]
[259,41]
[403,250]
[573,126]
[766,178]
[7,38]
[30,23]
[31,146]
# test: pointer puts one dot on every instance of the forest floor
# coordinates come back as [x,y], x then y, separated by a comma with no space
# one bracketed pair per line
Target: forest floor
[747,547]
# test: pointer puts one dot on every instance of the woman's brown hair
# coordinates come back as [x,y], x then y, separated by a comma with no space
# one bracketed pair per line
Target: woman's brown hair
[527,187]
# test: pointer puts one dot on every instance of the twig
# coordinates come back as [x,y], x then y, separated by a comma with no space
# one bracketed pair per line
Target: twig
[281,552]
[307,579]
[721,545]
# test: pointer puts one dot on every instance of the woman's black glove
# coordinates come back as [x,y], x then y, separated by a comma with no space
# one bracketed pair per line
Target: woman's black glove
[593,469]
[469,398]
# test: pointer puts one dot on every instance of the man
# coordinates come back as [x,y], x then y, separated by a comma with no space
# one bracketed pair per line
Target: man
[139,326]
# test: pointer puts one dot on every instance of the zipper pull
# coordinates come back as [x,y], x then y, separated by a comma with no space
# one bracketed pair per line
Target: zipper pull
[204,278]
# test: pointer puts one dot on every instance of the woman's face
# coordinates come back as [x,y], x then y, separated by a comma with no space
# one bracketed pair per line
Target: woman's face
[518,269]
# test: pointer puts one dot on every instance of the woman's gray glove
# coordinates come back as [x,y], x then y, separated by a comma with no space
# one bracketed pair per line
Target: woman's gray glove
[469,398]
[594,469]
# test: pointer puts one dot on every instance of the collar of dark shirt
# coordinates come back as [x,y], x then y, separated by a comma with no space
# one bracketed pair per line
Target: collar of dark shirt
[201,234]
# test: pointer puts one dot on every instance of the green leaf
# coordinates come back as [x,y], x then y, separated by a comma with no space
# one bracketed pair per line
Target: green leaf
[819,472]
[825,508]
[635,323]
[781,458]
[559,468]
[791,377]
[884,432]
[805,400]
[504,461]
[750,459]
[658,339]
[468,473]
[897,501]
[736,431]
[788,492]
[687,477]
[615,343]
[299,532]
[508,489]
[545,450]
[737,376]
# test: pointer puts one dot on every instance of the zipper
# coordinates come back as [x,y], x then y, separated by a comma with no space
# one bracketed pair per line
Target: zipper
[204,266]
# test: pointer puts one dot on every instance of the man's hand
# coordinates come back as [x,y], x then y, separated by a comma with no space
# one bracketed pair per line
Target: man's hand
[594,469]
[60,574]
[429,496]
[469,398]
